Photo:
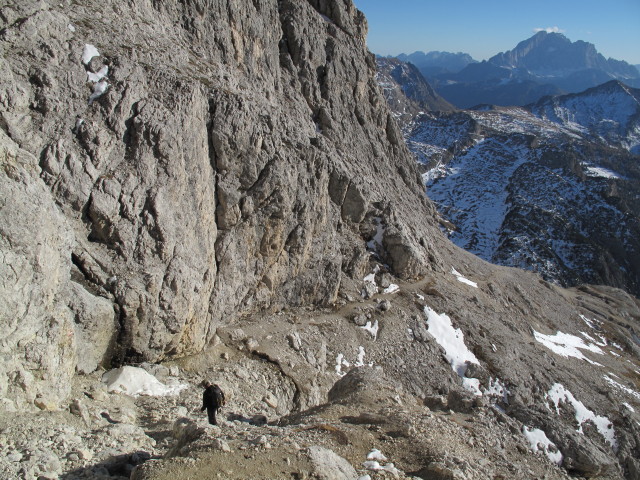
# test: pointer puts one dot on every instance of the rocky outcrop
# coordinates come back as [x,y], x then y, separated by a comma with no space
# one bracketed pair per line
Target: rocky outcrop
[406,90]
[38,347]
[226,158]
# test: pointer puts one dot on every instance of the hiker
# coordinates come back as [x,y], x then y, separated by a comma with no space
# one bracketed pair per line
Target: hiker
[212,400]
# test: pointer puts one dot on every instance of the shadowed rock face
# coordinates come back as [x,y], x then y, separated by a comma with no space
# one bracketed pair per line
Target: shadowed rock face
[234,162]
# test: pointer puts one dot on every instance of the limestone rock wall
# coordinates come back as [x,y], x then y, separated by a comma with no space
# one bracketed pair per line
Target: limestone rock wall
[236,156]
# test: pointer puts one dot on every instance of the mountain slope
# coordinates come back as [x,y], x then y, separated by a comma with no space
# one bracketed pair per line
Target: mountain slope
[553,189]
[406,91]
[609,112]
[217,190]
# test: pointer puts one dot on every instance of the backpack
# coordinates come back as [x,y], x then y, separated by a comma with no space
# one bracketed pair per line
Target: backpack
[218,394]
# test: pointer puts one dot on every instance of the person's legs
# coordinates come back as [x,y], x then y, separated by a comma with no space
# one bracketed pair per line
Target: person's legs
[211,412]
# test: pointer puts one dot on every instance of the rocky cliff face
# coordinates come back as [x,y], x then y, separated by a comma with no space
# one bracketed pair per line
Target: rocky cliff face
[232,158]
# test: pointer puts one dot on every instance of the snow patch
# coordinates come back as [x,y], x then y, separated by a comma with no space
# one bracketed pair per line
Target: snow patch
[136,381]
[376,242]
[88,53]
[602,172]
[96,77]
[497,389]
[451,339]
[558,394]
[360,359]
[340,362]
[98,89]
[456,352]
[567,345]
[376,454]
[462,279]
[371,278]
[540,443]
[627,390]
[594,324]
[372,329]
[393,288]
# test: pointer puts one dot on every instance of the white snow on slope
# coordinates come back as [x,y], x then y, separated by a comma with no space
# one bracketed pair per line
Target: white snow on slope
[456,352]
[340,362]
[376,242]
[136,381]
[88,53]
[96,77]
[558,394]
[451,339]
[627,390]
[567,345]
[478,208]
[608,113]
[372,328]
[591,323]
[463,279]
[376,454]
[98,89]
[601,172]
[540,443]
[393,288]
[372,276]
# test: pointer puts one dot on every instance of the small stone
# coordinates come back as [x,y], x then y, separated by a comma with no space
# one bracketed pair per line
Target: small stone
[237,335]
[360,319]
[270,400]
[259,420]
[73,457]
[384,305]
[221,445]
[252,344]
[14,457]
[295,341]
[46,404]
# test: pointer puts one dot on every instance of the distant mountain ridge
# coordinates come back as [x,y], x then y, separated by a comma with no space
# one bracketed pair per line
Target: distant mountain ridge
[553,54]
[437,63]
[545,64]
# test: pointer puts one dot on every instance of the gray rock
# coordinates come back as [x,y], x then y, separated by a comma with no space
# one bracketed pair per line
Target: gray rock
[35,245]
[369,289]
[221,445]
[360,319]
[294,341]
[327,465]
[95,327]
[384,305]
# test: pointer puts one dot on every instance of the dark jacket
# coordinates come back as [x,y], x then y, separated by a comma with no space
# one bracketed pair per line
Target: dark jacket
[213,397]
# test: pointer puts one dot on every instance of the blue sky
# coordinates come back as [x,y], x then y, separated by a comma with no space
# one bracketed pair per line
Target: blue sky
[483,28]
